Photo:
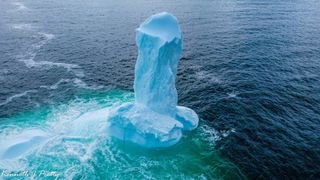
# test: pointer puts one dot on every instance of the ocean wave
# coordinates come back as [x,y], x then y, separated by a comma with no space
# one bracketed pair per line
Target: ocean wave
[22,26]
[3,73]
[11,98]
[48,36]
[232,94]
[82,84]
[31,63]
[74,144]
[19,5]
[74,68]
[56,85]
[207,76]
[204,75]
[214,135]
[29,56]
[57,130]
[76,81]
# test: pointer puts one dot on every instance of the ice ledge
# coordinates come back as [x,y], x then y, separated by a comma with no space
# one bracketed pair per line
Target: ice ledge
[140,125]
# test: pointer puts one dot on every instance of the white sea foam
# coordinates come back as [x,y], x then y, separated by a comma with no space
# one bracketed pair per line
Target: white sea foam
[210,133]
[232,95]
[226,133]
[78,72]
[11,98]
[65,129]
[76,81]
[207,76]
[75,141]
[213,135]
[31,63]
[14,164]
[82,84]
[204,75]
[48,36]
[19,5]
[29,56]
[56,85]
[22,26]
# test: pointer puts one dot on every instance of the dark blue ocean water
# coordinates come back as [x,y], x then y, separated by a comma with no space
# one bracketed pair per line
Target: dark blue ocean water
[252,66]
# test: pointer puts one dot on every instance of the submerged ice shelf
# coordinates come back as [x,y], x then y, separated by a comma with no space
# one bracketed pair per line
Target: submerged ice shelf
[155,119]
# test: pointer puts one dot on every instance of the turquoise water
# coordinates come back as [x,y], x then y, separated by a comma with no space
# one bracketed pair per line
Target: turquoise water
[250,69]
[78,153]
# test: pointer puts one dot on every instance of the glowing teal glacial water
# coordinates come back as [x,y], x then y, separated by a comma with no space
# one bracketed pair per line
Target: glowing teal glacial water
[248,65]
[75,152]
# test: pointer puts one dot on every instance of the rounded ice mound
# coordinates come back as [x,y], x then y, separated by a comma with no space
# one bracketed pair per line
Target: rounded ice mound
[18,144]
[154,119]
[163,25]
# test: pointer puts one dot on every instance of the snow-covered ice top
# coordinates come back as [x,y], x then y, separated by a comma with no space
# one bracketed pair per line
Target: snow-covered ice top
[163,25]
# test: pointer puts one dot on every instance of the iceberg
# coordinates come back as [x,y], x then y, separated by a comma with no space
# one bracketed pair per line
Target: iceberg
[154,119]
